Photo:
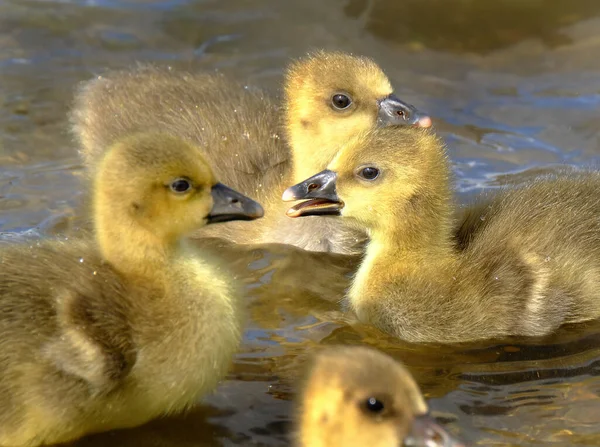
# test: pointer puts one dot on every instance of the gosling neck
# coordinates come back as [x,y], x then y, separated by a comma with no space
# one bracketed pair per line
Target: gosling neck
[400,252]
[311,152]
[409,241]
[310,156]
[415,242]
[128,246]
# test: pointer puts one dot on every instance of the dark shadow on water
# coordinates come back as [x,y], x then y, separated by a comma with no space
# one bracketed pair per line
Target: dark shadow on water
[470,25]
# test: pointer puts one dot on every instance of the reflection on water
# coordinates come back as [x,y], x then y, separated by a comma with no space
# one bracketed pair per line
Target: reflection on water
[471,25]
[514,88]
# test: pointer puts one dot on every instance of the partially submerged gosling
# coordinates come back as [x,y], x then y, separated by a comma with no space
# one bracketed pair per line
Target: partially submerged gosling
[112,332]
[356,396]
[329,97]
[531,265]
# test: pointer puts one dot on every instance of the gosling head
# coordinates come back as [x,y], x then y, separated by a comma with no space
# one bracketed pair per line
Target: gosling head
[390,180]
[162,184]
[345,91]
[332,96]
[356,396]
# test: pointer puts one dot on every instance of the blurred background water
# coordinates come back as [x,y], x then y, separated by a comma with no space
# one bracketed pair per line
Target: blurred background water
[514,88]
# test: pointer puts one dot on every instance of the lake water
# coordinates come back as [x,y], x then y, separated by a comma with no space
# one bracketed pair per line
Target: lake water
[514,88]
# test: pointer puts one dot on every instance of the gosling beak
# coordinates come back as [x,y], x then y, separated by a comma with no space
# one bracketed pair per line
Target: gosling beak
[426,432]
[321,195]
[394,112]
[229,204]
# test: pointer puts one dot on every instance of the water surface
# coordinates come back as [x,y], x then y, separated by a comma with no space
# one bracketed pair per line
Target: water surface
[514,88]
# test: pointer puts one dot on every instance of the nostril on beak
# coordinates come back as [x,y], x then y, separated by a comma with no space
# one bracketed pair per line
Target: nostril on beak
[312,187]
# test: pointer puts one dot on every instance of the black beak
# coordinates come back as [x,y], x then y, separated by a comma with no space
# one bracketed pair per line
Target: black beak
[320,192]
[229,204]
[394,112]
[426,432]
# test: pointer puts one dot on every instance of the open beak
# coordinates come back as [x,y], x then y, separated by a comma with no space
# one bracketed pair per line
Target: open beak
[426,432]
[318,193]
[229,204]
[394,112]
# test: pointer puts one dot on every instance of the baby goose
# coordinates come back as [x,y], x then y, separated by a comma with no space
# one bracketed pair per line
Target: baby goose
[110,333]
[328,98]
[531,265]
[356,396]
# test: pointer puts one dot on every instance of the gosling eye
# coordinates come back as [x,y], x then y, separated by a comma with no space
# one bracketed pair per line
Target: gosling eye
[373,406]
[369,173]
[341,101]
[180,186]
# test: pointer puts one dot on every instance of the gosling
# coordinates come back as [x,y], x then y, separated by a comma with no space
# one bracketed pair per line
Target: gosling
[357,396]
[111,332]
[531,265]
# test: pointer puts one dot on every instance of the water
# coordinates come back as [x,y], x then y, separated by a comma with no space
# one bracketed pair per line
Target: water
[514,88]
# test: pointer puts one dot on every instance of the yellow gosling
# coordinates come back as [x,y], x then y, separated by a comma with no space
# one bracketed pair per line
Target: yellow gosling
[111,332]
[531,264]
[356,396]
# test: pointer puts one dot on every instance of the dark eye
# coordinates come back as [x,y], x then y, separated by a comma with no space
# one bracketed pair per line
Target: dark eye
[341,101]
[180,185]
[374,405]
[369,173]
